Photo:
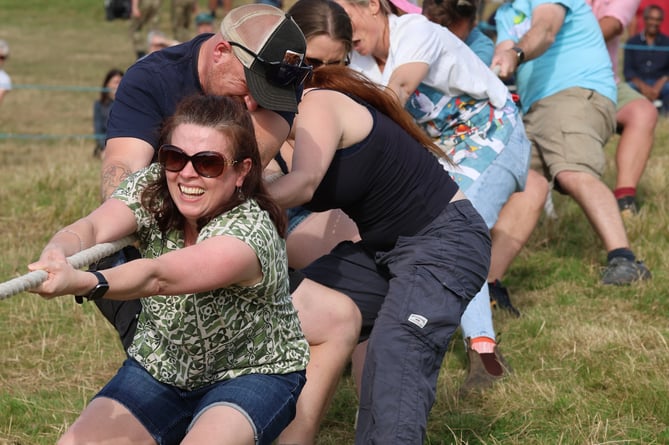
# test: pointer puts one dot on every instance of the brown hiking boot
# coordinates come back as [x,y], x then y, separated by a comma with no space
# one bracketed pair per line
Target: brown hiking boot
[483,370]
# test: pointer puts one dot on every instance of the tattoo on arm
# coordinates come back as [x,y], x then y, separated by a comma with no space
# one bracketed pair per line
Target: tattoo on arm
[112,176]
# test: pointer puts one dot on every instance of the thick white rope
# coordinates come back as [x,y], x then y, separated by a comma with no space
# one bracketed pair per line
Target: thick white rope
[78,260]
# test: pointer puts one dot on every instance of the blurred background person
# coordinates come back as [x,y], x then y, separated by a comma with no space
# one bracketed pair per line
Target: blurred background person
[5,80]
[204,23]
[646,62]
[102,106]
[181,15]
[636,24]
[214,5]
[157,40]
[144,17]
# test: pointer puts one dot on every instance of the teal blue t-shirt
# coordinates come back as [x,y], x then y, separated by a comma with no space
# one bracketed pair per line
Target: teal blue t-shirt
[577,58]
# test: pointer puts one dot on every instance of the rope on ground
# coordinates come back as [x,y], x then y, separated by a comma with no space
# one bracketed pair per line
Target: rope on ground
[78,260]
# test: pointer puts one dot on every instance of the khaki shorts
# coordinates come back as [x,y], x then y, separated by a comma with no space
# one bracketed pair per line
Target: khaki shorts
[627,94]
[568,131]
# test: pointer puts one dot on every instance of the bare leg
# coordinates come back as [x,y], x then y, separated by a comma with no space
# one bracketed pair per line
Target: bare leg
[638,119]
[515,224]
[331,323]
[119,426]
[357,363]
[599,206]
[317,235]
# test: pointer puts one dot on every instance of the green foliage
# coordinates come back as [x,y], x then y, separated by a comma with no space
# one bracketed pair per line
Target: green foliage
[590,361]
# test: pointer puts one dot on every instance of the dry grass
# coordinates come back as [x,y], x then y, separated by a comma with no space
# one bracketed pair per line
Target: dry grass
[590,361]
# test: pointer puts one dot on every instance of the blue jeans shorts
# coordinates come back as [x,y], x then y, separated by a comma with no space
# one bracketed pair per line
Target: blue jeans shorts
[268,401]
[295,216]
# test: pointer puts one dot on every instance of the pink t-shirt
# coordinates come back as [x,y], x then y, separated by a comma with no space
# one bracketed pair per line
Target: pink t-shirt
[623,11]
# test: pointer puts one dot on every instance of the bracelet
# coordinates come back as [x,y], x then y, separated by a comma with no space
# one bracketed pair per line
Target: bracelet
[81,243]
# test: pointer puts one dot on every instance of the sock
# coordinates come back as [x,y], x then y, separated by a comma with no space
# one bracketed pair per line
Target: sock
[623,252]
[483,345]
[622,192]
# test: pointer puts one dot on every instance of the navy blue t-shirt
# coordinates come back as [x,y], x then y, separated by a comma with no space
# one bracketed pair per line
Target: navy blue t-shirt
[152,87]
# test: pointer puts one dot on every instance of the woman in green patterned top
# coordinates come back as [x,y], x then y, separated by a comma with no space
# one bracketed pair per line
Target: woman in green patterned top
[218,356]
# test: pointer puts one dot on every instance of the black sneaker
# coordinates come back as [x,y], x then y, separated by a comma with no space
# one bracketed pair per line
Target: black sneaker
[627,206]
[622,271]
[499,297]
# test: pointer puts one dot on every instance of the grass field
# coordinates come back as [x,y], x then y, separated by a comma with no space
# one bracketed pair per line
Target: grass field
[590,362]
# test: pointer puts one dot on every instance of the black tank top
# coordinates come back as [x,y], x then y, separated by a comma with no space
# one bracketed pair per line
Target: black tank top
[388,183]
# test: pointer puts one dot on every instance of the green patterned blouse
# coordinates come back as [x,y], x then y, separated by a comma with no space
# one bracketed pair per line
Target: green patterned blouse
[193,340]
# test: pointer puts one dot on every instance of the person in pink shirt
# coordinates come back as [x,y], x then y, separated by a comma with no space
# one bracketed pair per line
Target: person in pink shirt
[636,116]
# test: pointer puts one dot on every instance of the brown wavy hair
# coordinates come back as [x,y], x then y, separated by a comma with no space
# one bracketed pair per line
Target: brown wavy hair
[231,118]
[343,79]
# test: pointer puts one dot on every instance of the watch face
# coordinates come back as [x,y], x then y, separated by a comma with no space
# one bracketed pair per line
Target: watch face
[99,291]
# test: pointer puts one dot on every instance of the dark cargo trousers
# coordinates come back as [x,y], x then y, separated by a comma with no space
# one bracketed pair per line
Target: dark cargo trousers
[414,296]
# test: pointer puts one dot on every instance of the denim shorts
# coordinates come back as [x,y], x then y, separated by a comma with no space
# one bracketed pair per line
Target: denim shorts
[268,401]
[295,216]
[507,174]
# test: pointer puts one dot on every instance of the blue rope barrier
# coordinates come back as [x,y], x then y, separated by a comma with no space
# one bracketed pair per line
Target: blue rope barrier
[645,47]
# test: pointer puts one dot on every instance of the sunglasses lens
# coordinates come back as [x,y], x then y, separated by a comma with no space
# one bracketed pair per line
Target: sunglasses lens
[314,63]
[208,165]
[173,159]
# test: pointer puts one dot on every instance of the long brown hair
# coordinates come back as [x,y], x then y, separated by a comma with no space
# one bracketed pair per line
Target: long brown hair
[343,79]
[231,118]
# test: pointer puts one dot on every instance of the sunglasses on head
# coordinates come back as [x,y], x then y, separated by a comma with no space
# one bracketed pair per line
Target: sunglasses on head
[316,63]
[290,71]
[207,164]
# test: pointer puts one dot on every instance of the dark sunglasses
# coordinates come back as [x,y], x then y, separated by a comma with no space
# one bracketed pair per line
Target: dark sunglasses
[290,71]
[207,164]
[316,63]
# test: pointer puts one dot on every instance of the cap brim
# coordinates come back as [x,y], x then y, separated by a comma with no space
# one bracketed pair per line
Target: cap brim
[270,96]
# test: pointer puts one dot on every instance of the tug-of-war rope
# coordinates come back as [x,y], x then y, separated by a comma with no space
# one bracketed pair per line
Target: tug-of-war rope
[78,260]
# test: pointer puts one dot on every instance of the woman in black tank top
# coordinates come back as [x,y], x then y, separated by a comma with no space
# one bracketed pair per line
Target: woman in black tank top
[424,250]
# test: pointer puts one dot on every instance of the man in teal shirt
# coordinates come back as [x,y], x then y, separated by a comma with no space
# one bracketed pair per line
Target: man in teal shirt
[568,93]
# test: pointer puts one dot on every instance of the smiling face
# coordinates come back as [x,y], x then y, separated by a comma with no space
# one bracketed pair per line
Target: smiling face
[653,19]
[194,195]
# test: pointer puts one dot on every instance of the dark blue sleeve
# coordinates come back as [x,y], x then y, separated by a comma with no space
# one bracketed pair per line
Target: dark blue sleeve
[137,110]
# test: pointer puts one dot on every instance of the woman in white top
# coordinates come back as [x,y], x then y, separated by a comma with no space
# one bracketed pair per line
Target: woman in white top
[5,80]
[468,111]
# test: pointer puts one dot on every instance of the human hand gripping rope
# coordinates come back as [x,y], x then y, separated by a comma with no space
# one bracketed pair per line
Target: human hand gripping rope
[78,261]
